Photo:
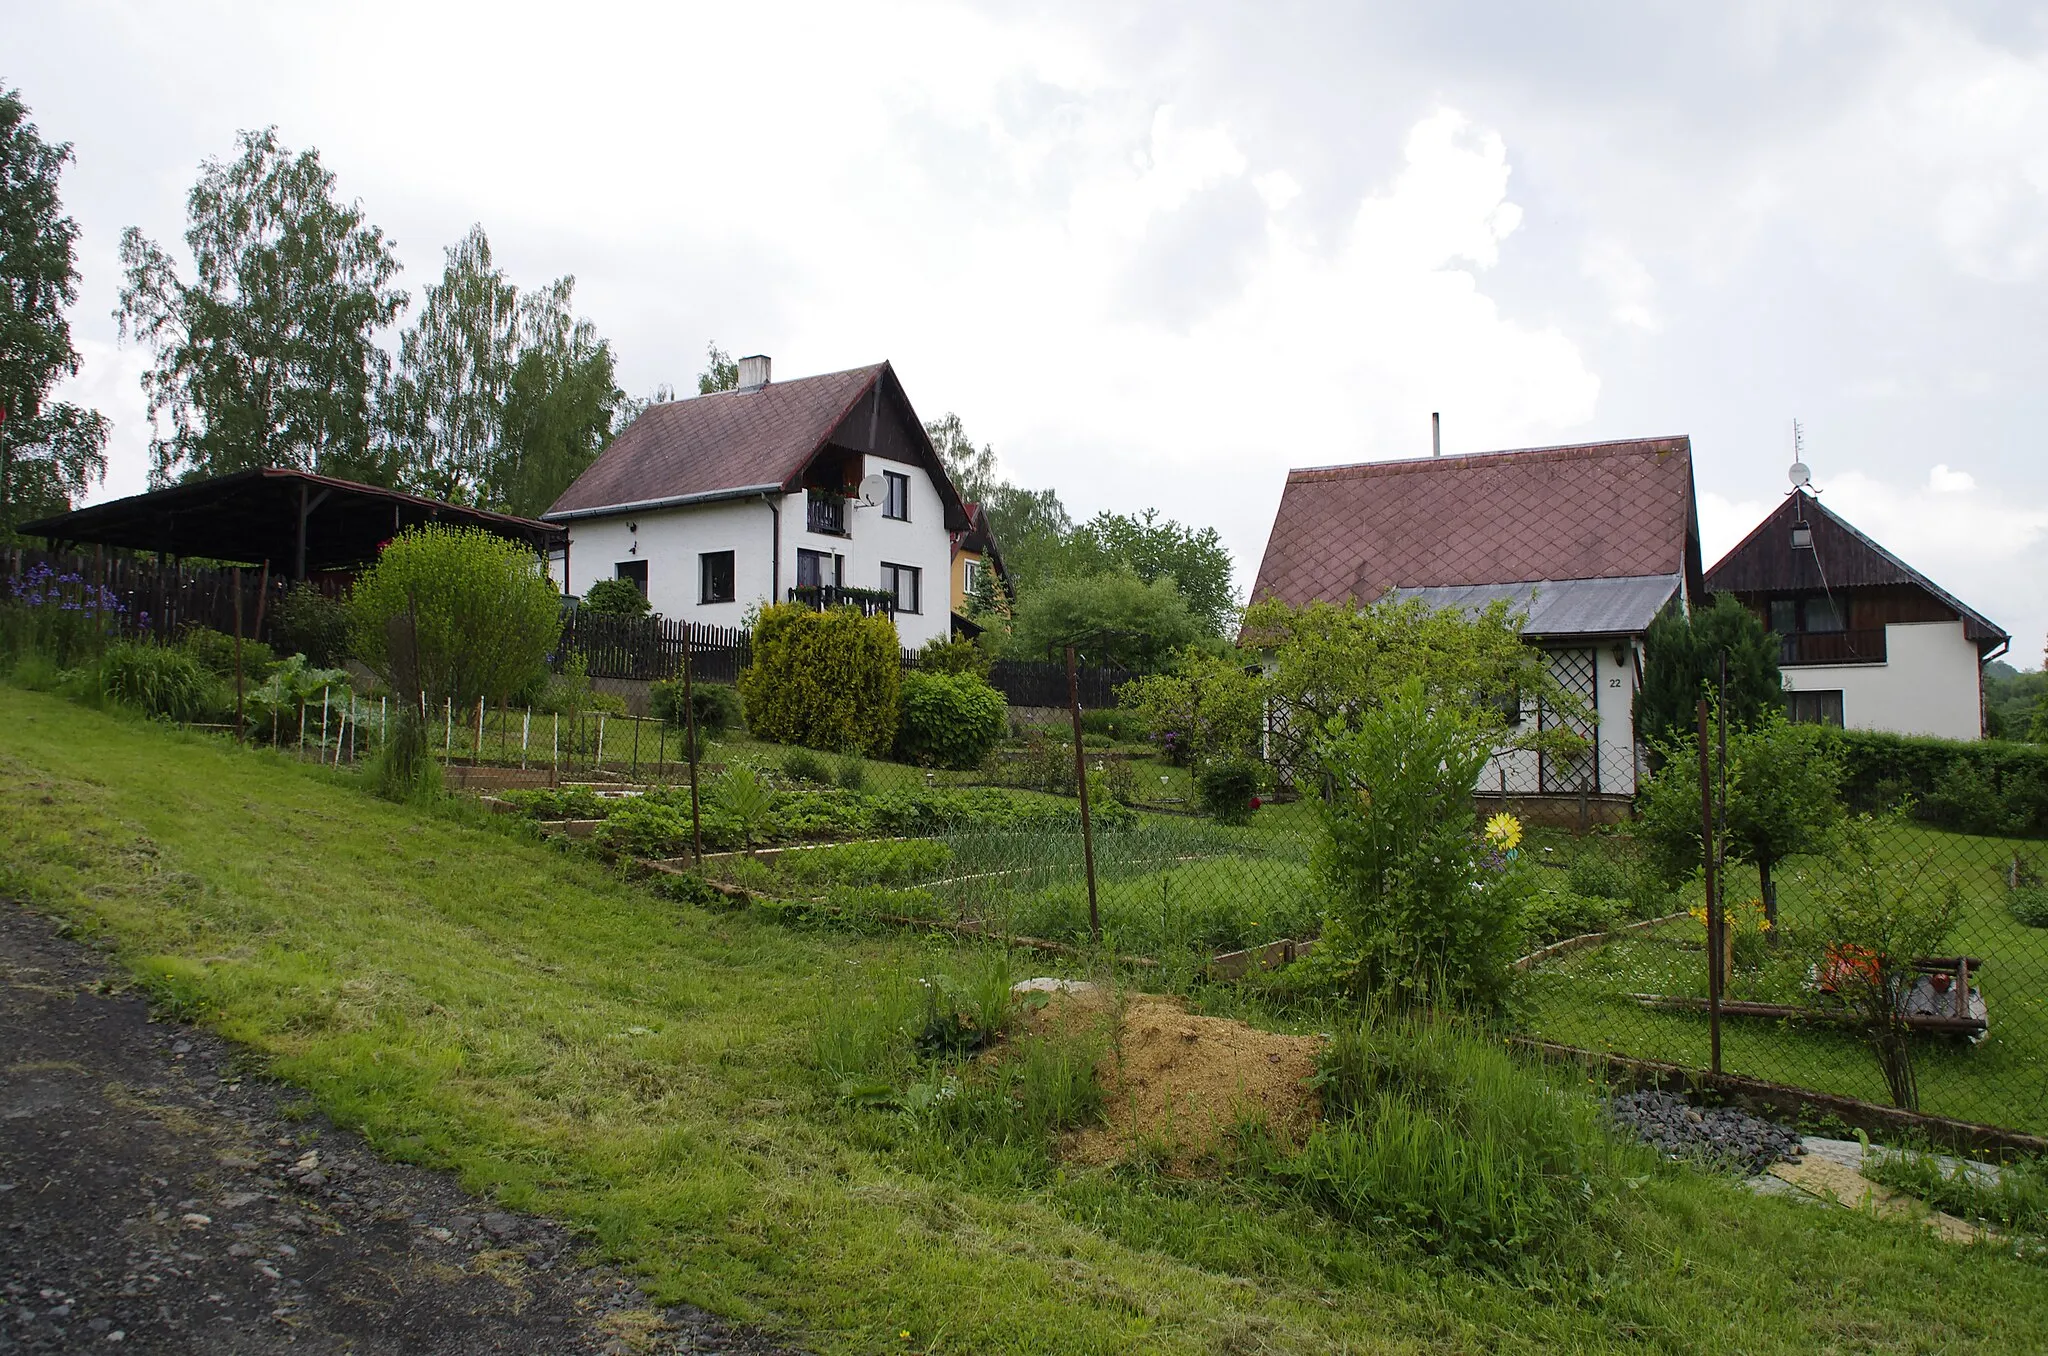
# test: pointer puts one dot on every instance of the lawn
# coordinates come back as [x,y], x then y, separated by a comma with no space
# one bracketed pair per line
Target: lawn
[471,997]
[2003,1080]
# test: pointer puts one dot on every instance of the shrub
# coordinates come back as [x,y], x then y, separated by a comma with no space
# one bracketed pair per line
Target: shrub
[868,863]
[1436,1134]
[1417,904]
[1983,786]
[852,773]
[1226,788]
[805,766]
[826,680]
[214,651]
[942,654]
[616,598]
[950,719]
[2029,905]
[484,614]
[717,704]
[1599,876]
[570,694]
[1116,725]
[310,623]
[156,680]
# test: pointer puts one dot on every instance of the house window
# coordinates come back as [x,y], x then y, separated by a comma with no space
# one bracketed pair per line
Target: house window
[635,570]
[1823,614]
[970,576]
[896,499]
[1807,614]
[1784,615]
[1815,708]
[715,576]
[817,570]
[901,582]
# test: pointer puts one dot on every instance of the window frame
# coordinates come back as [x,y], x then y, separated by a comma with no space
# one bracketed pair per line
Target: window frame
[732,578]
[635,570]
[892,584]
[1819,709]
[896,496]
[970,570]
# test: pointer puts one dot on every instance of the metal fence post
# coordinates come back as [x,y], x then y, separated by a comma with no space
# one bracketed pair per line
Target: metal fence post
[1081,785]
[1710,860]
[690,733]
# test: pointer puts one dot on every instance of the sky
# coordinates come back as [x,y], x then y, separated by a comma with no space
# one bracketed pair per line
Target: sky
[1157,255]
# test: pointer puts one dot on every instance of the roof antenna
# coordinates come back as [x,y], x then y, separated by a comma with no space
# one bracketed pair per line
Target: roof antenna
[1436,434]
[1802,481]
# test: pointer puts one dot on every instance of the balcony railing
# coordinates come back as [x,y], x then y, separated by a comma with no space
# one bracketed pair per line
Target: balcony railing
[1832,647]
[825,513]
[871,602]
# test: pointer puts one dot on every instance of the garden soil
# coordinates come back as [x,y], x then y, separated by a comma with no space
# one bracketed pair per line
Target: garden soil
[1174,1084]
[157,1194]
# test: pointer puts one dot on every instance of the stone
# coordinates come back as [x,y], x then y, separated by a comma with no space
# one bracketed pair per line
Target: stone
[1048,984]
[501,1225]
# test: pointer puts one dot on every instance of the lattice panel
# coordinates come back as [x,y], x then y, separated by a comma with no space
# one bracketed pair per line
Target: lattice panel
[1573,671]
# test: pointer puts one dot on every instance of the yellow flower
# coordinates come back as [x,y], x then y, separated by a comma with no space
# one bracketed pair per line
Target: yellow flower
[1504,831]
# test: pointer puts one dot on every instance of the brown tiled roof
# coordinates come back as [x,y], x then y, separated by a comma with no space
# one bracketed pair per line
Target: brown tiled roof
[727,443]
[1597,511]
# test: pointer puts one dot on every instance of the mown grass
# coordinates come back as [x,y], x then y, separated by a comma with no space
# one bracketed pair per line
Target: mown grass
[571,1043]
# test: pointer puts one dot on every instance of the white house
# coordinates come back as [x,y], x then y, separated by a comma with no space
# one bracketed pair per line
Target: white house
[822,489]
[1588,542]
[1865,641]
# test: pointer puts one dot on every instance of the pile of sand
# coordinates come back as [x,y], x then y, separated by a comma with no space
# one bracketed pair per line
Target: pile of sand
[1174,1083]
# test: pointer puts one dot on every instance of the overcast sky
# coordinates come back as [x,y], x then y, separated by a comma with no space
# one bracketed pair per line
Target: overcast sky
[1158,255]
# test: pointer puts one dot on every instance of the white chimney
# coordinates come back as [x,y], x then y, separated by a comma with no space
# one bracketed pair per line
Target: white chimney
[754,372]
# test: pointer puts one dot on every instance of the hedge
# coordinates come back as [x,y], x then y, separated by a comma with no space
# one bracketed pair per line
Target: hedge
[1989,786]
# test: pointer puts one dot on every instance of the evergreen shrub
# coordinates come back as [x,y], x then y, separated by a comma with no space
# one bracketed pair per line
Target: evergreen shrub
[826,680]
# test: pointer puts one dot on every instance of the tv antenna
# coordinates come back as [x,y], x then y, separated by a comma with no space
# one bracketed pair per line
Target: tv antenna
[1800,476]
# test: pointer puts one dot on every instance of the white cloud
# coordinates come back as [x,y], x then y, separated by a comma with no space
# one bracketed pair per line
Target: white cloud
[1942,480]
[1627,284]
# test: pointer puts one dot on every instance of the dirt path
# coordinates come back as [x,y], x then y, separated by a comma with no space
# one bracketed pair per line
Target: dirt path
[157,1196]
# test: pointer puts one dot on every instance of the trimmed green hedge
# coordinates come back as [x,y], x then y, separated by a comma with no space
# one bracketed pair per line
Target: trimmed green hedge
[1989,786]
[949,719]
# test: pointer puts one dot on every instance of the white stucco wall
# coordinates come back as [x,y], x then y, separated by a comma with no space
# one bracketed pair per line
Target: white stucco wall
[671,540]
[1928,684]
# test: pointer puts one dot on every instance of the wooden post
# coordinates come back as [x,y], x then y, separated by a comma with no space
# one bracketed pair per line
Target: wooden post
[555,756]
[1081,785]
[1710,859]
[690,733]
[448,732]
[241,735]
[476,757]
[525,736]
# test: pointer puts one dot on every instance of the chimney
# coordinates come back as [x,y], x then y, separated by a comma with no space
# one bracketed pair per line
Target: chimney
[754,372]
[1436,434]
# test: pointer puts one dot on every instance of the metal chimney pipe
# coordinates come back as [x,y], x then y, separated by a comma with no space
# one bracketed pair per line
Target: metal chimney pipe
[1436,435]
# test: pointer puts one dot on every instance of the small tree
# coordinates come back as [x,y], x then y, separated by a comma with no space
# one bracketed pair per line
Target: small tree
[1418,905]
[485,616]
[616,598]
[1112,617]
[1209,707]
[1682,660]
[826,680]
[1880,906]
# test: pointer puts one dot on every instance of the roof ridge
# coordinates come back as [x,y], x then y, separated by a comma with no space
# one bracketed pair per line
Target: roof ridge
[1557,452]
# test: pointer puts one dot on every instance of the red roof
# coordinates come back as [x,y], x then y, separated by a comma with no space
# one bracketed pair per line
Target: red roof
[1595,511]
[729,442]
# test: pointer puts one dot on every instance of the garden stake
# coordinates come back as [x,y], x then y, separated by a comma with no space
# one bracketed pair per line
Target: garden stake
[690,733]
[555,759]
[598,766]
[448,733]
[323,722]
[383,719]
[1725,938]
[477,758]
[636,750]
[241,735]
[302,729]
[1711,867]
[525,735]
[1081,785]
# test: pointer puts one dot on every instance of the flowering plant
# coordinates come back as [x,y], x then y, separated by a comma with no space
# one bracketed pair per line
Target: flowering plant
[62,614]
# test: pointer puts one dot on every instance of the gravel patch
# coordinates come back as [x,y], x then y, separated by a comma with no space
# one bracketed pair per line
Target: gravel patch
[158,1194]
[1718,1137]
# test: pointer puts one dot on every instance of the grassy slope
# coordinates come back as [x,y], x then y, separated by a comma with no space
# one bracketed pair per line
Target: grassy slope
[578,1047]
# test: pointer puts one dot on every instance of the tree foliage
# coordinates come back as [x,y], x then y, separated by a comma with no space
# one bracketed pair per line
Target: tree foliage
[481,612]
[1111,618]
[720,372]
[1681,662]
[1155,548]
[267,356]
[561,408]
[50,452]
[826,680]
[972,469]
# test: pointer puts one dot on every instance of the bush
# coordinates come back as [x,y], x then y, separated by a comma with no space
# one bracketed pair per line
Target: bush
[717,705]
[867,863]
[1436,1134]
[616,598]
[484,613]
[157,681]
[1226,788]
[214,651]
[1974,786]
[852,772]
[1598,876]
[2029,905]
[944,655]
[805,766]
[950,719]
[1116,725]
[310,623]
[1551,917]
[826,680]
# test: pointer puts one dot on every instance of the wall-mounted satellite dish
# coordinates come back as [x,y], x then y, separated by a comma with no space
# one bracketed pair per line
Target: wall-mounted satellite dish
[872,488]
[1799,475]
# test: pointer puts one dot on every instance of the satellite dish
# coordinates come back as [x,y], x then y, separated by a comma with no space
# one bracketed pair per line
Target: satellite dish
[872,488]
[1799,475]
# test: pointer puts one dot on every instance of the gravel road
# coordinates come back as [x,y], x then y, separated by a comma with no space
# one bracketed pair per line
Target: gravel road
[157,1195]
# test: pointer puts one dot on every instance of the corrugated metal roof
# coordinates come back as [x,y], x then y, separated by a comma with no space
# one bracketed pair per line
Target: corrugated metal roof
[1559,608]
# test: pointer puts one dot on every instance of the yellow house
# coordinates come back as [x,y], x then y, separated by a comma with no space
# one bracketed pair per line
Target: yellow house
[974,550]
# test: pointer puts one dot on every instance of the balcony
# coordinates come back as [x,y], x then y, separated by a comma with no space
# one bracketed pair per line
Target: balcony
[1831,647]
[871,602]
[825,512]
